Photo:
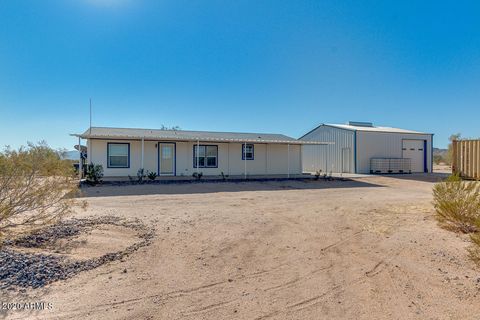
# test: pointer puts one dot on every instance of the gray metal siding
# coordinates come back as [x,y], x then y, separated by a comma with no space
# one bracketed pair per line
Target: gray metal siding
[386,145]
[329,158]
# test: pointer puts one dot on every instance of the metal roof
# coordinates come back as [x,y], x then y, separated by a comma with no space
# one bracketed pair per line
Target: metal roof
[372,128]
[183,135]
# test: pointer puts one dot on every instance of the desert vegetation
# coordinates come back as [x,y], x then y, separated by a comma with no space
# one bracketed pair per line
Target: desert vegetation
[457,205]
[36,189]
[94,174]
[444,156]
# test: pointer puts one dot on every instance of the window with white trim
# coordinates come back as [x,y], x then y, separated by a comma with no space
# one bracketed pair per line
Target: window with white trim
[247,152]
[206,156]
[118,155]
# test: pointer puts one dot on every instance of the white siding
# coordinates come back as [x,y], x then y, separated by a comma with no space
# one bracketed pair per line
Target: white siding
[268,158]
[97,154]
[328,157]
[385,145]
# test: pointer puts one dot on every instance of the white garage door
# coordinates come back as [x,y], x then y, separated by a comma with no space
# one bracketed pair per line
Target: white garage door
[414,149]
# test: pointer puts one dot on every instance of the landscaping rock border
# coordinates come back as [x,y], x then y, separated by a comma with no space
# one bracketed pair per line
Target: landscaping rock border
[20,269]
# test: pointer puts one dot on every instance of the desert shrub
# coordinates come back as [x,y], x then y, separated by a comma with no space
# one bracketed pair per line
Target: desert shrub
[474,250]
[94,173]
[151,175]
[197,175]
[36,188]
[437,159]
[448,158]
[224,176]
[140,175]
[457,204]
[318,173]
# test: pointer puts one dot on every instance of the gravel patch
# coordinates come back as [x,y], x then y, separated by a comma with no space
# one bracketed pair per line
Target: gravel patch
[20,269]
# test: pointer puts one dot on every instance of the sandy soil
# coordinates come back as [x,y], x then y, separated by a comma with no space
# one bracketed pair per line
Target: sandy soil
[442,168]
[362,249]
[94,243]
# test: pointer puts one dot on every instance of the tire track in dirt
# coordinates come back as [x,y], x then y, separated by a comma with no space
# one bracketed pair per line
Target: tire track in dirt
[383,264]
[305,277]
[163,297]
[342,241]
[378,268]
[307,303]
[208,308]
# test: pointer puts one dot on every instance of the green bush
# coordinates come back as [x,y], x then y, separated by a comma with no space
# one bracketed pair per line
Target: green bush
[140,175]
[94,173]
[457,204]
[151,175]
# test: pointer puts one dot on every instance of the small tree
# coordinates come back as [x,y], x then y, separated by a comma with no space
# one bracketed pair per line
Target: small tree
[449,156]
[174,128]
[36,188]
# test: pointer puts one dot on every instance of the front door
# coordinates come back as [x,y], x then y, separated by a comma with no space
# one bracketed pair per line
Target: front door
[166,159]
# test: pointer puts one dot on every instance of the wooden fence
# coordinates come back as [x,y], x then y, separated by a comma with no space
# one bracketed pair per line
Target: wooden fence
[466,158]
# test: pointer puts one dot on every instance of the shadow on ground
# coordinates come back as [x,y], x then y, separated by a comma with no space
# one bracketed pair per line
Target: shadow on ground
[213,187]
[423,177]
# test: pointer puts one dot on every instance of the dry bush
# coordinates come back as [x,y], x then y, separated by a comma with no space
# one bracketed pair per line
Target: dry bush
[474,250]
[457,204]
[36,189]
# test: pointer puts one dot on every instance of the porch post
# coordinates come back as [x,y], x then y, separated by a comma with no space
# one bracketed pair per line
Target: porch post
[80,162]
[198,151]
[245,159]
[301,159]
[288,160]
[143,148]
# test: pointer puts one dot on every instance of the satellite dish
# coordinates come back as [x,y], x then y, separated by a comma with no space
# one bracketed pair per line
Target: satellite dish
[83,149]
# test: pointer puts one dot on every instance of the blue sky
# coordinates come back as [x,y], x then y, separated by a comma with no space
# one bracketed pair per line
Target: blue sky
[261,66]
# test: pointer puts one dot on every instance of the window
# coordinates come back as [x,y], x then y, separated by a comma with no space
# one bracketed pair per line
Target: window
[166,152]
[247,153]
[207,156]
[118,155]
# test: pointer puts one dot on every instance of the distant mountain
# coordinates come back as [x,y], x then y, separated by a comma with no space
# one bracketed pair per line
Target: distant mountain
[71,155]
[440,152]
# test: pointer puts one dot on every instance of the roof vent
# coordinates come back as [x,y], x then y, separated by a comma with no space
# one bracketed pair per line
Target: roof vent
[360,124]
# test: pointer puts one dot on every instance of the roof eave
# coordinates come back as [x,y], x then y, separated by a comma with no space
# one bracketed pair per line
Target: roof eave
[202,139]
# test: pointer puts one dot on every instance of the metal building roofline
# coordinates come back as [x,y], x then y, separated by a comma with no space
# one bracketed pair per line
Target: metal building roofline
[367,129]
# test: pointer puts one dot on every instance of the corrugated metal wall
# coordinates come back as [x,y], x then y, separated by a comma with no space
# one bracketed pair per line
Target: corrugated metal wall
[386,145]
[335,158]
[466,158]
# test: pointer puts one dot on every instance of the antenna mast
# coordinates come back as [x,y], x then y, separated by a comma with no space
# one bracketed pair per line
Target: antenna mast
[90,128]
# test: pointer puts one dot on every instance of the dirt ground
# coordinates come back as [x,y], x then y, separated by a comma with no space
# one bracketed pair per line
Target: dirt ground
[442,168]
[362,249]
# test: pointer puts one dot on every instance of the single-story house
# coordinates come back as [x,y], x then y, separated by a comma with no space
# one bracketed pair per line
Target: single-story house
[123,151]
[361,147]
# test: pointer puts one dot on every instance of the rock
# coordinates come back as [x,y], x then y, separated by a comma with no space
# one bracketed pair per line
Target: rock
[21,270]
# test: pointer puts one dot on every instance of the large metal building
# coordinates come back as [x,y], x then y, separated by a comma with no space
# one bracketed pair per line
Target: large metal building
[361,147]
